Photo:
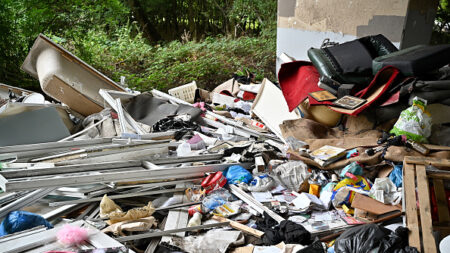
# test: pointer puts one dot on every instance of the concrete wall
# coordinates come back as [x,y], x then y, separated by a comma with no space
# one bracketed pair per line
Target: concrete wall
[306,23]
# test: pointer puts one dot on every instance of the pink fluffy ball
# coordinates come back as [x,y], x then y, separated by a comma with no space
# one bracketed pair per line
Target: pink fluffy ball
[71,235]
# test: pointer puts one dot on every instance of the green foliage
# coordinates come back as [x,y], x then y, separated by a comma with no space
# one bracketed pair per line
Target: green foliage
[119,37]
[209,62]
[22,20]
[441,33]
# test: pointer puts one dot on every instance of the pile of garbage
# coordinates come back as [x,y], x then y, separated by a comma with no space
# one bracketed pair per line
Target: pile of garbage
[314,163]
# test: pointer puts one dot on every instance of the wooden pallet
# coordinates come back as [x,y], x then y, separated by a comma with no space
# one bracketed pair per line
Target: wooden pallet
[416,175]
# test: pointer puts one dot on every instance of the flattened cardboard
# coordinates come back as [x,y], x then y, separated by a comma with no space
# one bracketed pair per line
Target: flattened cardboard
[271,107]
[372,206]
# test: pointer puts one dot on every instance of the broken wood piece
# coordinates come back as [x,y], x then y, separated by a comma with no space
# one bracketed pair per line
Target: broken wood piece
[372,206]
[239,226]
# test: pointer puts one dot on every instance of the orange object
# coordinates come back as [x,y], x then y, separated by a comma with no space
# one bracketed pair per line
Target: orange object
[314,189]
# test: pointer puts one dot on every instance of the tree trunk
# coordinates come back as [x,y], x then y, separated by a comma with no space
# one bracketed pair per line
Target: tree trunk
[148,28]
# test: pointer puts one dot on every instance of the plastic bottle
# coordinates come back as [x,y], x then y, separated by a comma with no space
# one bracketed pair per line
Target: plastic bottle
[196,220]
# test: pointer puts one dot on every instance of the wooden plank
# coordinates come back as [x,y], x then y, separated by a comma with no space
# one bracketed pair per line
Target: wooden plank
[412,220]
[441,200]
[429,243]
[427,161]
[240,227]
[372,206]
[436,147]
[438,175]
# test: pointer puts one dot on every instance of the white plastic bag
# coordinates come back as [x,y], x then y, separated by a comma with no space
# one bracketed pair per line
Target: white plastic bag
[414,122]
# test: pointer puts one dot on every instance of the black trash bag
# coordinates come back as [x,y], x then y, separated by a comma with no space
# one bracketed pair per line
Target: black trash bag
[315,247]
[360,239]
[267,223]
[272,237]
[397,242]
[167,248]
[287,232]
[294,233]
[181,127]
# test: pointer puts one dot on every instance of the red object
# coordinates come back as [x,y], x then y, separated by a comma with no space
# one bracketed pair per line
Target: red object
[434,207]
[297,79]
[376,89]
[355,154]
[195,209]
[350,175]
[392,100]
[247,96]
[214,181]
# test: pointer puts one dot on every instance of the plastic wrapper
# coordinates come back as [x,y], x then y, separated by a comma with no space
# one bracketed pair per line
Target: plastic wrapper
[385,191]
[215,199]
[292,174]
[236,174]
[396,175]
[344,191]
[353,168]
[414,122]
[261,183]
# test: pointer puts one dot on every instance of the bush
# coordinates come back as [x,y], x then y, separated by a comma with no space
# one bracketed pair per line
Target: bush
[164,66]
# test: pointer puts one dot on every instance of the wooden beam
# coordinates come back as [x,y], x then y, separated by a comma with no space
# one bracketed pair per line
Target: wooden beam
[240,227]
[429,243]
[412,220]
[427,161]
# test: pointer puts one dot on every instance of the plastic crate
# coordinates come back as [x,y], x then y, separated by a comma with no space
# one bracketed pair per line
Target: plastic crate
[185,92]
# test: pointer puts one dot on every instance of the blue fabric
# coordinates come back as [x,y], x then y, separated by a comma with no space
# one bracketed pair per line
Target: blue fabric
[17,221]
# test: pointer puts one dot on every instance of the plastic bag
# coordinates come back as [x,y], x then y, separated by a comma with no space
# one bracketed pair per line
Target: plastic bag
[17,221]
[397,242]
[261,183]
[353,168]
[385,191]
[236,174]
[396,175]
[361,239]
[414,122]
[292,174]
[344,191]
[216,198]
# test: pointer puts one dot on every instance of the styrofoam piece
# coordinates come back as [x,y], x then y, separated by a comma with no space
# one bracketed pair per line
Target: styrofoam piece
[66,78]
[271,107]
[185,92]
[253,88]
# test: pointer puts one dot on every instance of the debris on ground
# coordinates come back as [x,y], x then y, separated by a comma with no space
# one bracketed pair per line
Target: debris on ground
[344,154]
